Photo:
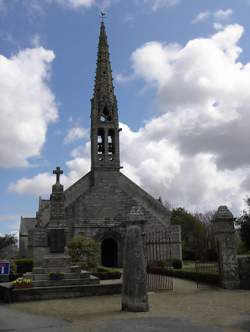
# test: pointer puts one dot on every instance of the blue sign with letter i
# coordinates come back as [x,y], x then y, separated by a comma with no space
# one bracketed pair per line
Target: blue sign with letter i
[4,268]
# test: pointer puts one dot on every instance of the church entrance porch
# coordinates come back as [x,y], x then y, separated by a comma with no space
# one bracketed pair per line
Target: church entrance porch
[109,252]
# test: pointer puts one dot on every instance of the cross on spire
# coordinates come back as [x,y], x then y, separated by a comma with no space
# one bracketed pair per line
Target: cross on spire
[58,171]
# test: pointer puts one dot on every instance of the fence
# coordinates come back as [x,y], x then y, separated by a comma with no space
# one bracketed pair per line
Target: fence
[157,247]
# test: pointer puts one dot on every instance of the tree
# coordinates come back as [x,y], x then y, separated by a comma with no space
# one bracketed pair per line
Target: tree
[244,222]
[7,240]
[192,230]
[84,251]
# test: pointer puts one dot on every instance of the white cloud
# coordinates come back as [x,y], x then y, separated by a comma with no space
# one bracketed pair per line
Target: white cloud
[156,4]
[218,16]
[74,134]
[202,16]
[75,3]
[223,14]
[27,105]
[196,153]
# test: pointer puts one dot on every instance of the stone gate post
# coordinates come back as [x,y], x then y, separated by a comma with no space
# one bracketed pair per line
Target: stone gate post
[224,232]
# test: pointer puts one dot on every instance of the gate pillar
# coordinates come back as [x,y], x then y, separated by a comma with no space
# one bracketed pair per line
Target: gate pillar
[224,232]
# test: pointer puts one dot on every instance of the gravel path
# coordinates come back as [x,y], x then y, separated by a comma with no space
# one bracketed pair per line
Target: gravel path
[184,309]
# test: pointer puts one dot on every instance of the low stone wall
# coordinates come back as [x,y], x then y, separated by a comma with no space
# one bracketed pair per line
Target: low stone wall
[244,271]
[8,294]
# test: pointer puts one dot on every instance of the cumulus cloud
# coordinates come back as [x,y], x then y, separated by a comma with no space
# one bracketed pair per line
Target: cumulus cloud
[74,134]
[196,152]
[27,105]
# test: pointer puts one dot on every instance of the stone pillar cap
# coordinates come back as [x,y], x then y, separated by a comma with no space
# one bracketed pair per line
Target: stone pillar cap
[223,213]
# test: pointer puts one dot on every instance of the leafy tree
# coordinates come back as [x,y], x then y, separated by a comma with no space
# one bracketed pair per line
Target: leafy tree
[7,240]
[192,230]
[84,251]
[244,222]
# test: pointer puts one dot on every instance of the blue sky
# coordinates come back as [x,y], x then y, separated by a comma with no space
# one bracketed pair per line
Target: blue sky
[181,78]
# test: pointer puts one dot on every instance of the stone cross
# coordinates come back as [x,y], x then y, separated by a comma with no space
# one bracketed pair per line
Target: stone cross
[58,171]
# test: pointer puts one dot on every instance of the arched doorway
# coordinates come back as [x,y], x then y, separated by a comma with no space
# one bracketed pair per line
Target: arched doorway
[109,251]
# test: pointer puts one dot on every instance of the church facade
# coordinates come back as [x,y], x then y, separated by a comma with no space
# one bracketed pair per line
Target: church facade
[104,202]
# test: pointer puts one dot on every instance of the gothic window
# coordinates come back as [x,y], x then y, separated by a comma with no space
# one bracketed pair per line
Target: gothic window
[100,141]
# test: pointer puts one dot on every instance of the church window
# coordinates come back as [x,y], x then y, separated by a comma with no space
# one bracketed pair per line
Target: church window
[100,141]
[111,143]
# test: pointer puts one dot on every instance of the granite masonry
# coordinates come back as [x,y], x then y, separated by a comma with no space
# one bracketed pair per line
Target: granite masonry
[99,204]
[134,288]
[223,224]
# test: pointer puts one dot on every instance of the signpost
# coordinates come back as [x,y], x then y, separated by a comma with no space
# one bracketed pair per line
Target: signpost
[4,270]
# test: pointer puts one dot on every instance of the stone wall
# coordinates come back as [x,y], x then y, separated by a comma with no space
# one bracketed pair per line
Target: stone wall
[244,271]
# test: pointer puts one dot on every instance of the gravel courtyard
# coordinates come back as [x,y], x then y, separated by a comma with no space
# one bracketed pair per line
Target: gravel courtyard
[184,309]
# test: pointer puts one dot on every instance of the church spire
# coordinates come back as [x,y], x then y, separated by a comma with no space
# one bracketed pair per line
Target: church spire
[104,114]
[103,79]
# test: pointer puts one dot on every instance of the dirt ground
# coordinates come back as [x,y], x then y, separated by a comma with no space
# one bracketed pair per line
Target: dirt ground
[226,309]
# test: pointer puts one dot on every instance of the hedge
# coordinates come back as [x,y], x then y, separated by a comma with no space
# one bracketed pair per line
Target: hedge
[202,277]
[23,265]
[106,273]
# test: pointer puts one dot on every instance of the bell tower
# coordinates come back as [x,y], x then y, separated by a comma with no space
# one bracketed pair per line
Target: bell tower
[104,113]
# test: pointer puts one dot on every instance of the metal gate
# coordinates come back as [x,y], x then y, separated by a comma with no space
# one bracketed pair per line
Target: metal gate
[207,266]
[157,248]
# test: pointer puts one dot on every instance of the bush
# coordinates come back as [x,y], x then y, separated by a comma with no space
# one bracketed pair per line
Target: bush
[177,263]
[23,265]
[13,267]
[84,252]
[106,273]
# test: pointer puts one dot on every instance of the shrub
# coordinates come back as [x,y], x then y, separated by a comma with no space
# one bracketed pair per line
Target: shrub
[84,252]
[56,275]
[23,265]
[22,282]
[177,263]
[106,273]
[13,267]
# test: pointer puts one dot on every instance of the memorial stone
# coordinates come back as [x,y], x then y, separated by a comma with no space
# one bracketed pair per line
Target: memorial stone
[134,289]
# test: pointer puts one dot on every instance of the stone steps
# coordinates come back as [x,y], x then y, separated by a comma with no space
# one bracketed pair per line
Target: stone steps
[68,276]
[66,282]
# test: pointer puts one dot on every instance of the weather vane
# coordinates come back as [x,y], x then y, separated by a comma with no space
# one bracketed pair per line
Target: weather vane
[102,15]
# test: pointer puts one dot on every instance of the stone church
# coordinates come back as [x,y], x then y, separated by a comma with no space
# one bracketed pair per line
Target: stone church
[103,202]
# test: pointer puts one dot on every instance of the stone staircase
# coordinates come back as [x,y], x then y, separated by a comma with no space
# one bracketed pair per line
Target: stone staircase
[60,263]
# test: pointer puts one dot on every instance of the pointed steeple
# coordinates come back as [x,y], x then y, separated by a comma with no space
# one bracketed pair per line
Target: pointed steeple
[103,80]
[104,114]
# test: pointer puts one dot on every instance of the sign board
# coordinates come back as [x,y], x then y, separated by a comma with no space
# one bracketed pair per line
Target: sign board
[4,268]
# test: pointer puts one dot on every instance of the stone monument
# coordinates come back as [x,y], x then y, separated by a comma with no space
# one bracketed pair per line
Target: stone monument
[223,224]
[134,289]
[52,265]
